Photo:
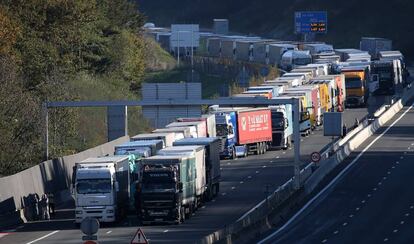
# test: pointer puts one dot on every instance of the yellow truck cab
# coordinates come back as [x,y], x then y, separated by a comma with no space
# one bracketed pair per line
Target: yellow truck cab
[355,85]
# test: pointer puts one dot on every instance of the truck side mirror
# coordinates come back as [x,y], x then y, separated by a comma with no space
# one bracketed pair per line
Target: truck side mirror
[116,186]
[180,186]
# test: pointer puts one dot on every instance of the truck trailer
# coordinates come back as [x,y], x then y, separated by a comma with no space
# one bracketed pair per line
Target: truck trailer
[212,158]
[199,153]
[168,189]
[245,130]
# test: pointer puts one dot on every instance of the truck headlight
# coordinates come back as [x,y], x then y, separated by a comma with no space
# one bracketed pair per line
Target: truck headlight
[109,211]
[78,212]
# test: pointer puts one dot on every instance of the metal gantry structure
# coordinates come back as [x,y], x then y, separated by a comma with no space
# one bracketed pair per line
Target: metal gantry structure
[224,102]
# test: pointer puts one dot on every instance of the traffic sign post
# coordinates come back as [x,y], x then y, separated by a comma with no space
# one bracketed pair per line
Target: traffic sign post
[315,157]
[139,238]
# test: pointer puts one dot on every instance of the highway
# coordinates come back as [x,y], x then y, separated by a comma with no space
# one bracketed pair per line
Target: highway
[244,184]
[371,201]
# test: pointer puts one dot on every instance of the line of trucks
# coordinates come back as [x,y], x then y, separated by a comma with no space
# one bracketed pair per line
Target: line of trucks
[175,169]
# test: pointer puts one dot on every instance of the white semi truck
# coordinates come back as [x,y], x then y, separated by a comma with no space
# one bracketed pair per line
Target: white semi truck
[102,188]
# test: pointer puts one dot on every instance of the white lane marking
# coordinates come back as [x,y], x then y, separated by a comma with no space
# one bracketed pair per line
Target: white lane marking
[384,177]
[412,144]
[277,156]
[264,166]
[405,152]
[336,232]
[203,207]
[389,172]
[284,152]
[334,180]
[241,182]
[43,237]
[393,167]
[345,224]
[165,231]
[249,177]
[351,215]
[379,183]
[411,207]
[402,222]
[109,232]
[233,187]
[386,239]
[214,200]
[3,235]
[363,201]
[357,209]
[402,157]
[324,241]
[395,231]
[271,161]
[374,189]
[407,214]
[221,168]
[223,194]
[228,163]
[397,162]
[257,172]
[369,195]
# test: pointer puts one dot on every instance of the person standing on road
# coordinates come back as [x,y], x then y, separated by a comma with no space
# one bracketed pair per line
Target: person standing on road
[35,206]
[344,130]
[44,204]
[51,198]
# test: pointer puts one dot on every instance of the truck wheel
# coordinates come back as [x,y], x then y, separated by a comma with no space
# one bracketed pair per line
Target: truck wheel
[233,154]
[258,149]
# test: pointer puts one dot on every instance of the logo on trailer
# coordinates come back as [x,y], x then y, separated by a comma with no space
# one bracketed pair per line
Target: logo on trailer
[244,123]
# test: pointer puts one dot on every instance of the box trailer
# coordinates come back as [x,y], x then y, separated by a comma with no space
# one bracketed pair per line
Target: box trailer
[245,130]
[167,138]
[212,158]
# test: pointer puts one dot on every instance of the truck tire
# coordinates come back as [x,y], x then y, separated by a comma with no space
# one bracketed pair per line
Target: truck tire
[258,149]
[233,154]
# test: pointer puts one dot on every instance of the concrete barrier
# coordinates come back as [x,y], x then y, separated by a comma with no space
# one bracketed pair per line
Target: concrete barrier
[348,145]
[258,217]
[17,191]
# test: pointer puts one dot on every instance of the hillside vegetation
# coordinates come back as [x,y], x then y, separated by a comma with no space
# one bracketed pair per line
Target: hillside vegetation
[348,20]
[56,50]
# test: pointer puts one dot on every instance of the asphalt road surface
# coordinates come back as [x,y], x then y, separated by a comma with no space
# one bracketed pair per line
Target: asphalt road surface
[373,200]
[244,184]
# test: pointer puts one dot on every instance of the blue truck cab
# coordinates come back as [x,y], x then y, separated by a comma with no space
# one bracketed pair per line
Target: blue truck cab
[226,126]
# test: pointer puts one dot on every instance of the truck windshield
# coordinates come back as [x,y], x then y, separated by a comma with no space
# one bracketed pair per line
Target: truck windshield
[354,82]
[93,186]
[302,61]
[158,187]
[222,130]
[277,120]
[384,76]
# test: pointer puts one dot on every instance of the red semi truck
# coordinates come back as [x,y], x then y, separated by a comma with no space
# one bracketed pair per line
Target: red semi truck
[245,130]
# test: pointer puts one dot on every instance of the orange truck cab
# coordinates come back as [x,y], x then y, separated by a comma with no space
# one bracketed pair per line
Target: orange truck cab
[356,85]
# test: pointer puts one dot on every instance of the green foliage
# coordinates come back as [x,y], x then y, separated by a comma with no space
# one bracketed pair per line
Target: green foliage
[47,45]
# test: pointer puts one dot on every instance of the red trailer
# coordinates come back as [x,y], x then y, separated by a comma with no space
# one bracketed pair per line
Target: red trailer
[254,129]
